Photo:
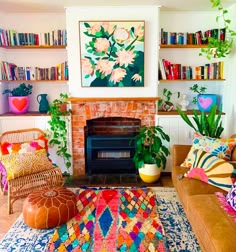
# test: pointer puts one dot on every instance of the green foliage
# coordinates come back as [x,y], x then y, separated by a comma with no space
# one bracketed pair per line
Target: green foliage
[166,96]
[150,148]
[57,133]
[21,90]
[199,90]
[220,48]
[204,123]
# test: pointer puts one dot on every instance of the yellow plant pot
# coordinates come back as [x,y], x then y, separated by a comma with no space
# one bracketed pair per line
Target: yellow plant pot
[150,173]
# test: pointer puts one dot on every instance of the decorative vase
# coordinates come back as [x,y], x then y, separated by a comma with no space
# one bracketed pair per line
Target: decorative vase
[167,106]
[150,173]
[18,104]
[184,102]
[206,101]
[43,103]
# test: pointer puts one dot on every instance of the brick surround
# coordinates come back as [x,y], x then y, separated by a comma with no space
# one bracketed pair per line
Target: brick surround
[90,108]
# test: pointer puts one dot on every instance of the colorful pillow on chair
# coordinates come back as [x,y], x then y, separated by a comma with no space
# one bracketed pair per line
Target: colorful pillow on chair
[18,165]
[212,170]
[25,147]
[220,147]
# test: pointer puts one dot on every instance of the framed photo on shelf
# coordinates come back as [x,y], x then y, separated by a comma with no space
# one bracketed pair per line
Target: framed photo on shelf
[112,53]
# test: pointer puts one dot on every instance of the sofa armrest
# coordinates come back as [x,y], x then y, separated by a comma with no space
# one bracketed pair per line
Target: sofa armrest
[179,153]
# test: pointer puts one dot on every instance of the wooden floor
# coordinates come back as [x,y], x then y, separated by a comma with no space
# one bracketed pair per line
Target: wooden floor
[6,220]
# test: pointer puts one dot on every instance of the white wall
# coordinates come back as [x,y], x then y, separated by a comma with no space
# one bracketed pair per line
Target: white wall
[147,13]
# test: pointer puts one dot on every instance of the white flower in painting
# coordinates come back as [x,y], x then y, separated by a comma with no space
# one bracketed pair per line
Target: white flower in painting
[125,58]
[136,77]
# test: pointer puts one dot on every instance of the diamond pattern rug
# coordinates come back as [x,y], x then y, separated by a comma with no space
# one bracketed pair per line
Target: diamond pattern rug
[179,235]
[112,220]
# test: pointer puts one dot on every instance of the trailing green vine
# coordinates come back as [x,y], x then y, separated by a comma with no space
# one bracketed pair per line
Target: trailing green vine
[58,132]
[218,48]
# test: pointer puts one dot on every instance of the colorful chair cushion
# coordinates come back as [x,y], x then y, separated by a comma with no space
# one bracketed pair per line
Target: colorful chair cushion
[51,207]
[212,170]
[220,147]
[18,165]
[37,144]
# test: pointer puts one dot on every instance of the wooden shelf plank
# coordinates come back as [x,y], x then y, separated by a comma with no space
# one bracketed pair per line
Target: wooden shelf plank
[183,80]
[99,99]
[183,46]
[34,47]
[175,112]
[30,113]
[16,81]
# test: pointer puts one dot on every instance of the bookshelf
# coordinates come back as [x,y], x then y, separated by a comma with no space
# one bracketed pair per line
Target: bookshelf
[43,63]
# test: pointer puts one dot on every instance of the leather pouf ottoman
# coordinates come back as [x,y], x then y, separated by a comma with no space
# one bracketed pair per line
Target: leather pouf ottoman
[49,207]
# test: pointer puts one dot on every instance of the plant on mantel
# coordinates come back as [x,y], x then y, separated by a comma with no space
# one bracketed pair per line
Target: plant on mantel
[217,48]
[58,132]
[199,90]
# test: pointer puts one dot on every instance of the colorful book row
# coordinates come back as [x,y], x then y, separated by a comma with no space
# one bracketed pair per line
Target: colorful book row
[173,71]
[13,38]
[191,38]
[10,71]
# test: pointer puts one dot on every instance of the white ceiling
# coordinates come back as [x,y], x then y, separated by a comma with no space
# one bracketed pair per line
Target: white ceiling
[25,6]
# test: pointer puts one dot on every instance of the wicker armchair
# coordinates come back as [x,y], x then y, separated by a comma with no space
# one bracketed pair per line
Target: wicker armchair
[22,186]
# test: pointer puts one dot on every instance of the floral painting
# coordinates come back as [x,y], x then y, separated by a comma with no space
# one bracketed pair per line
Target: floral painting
[112,53]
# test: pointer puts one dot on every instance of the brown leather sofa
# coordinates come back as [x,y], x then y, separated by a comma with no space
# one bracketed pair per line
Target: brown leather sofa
[213,227]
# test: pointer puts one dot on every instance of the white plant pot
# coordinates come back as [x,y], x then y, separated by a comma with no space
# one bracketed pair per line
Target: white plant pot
[150,173]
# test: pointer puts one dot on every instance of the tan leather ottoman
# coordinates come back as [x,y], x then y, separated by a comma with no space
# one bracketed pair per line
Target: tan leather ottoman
[50,207]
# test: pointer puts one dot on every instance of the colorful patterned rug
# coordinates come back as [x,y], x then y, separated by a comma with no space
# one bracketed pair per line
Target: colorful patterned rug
[132,225]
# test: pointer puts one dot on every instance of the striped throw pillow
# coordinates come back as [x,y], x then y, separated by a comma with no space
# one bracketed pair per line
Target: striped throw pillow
[212,170]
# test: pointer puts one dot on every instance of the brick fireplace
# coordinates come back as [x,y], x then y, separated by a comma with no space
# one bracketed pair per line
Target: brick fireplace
[85,109]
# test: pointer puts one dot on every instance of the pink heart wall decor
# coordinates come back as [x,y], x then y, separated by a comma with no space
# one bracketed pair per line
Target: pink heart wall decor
[205,102]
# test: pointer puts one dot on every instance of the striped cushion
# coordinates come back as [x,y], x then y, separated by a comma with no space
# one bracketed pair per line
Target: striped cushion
[212,170]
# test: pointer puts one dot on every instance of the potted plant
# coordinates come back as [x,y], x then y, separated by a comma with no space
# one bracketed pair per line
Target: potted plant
[165,102]
[150,153]
[206,124]
[218,47]
[18,98]
[204,101]
[58,132]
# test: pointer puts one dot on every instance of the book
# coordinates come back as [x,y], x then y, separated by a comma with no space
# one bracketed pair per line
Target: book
[162,69]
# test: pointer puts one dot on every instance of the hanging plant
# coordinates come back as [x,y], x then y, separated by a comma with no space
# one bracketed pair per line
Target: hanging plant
[216,47]
[58,132]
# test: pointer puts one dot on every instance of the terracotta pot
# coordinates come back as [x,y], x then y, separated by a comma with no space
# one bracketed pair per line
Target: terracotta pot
[167,106]
[18,104]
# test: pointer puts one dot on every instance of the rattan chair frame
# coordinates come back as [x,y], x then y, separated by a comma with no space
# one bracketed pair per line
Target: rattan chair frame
[21,187]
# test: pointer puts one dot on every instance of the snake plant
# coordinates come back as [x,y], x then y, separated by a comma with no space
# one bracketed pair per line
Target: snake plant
[208,124]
